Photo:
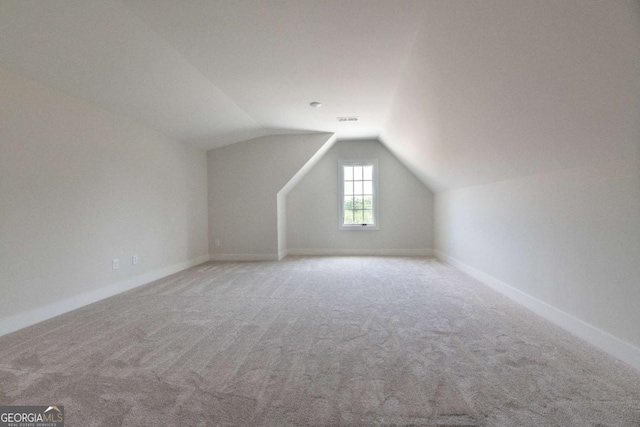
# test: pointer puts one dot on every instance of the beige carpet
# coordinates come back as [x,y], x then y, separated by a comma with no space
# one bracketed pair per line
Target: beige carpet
[318,342]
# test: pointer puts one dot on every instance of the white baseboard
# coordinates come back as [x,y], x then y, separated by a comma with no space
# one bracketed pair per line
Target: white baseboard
[243,257]
[37,315]
[599,338]
[282,254]
[364,252]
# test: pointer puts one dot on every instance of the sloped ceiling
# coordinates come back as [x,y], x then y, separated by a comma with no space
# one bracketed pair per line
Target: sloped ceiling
[215,72]
[463,92]
[499,89]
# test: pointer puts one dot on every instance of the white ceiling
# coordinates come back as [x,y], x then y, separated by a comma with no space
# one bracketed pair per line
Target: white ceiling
[217,72]
[462,92]
[498,89]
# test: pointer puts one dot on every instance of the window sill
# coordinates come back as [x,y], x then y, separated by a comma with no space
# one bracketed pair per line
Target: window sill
[358,228]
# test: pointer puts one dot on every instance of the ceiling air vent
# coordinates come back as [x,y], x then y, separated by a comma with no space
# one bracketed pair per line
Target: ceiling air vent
[348,119]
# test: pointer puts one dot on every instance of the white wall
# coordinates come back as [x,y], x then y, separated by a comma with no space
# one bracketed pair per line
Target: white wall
[406,208]
[244,181]
[79,187]
[569,238]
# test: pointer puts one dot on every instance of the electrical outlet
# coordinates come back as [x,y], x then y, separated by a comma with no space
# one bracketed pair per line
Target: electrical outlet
[135,259]
[115,264]
[217,242]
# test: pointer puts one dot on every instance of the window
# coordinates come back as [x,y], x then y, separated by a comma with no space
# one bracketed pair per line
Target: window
[358,195]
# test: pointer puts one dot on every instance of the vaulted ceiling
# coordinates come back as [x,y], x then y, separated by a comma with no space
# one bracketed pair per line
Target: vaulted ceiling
[462,92]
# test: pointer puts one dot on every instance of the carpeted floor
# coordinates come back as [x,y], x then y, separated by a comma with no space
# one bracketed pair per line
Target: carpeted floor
[318,342]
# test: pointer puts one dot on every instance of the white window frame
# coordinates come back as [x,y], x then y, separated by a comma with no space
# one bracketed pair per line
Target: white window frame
[376,202]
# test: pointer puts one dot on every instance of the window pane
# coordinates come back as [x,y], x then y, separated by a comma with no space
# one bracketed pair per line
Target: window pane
[368,202]
[348,173]
[358,203]
[368,216]
[367,172]
[348,202]
[367,187]
[358,217]
[357,172]
[348,188]
[348,217]
[357,187]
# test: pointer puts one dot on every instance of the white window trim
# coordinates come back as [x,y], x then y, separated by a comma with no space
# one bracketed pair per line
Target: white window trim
[376,202]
